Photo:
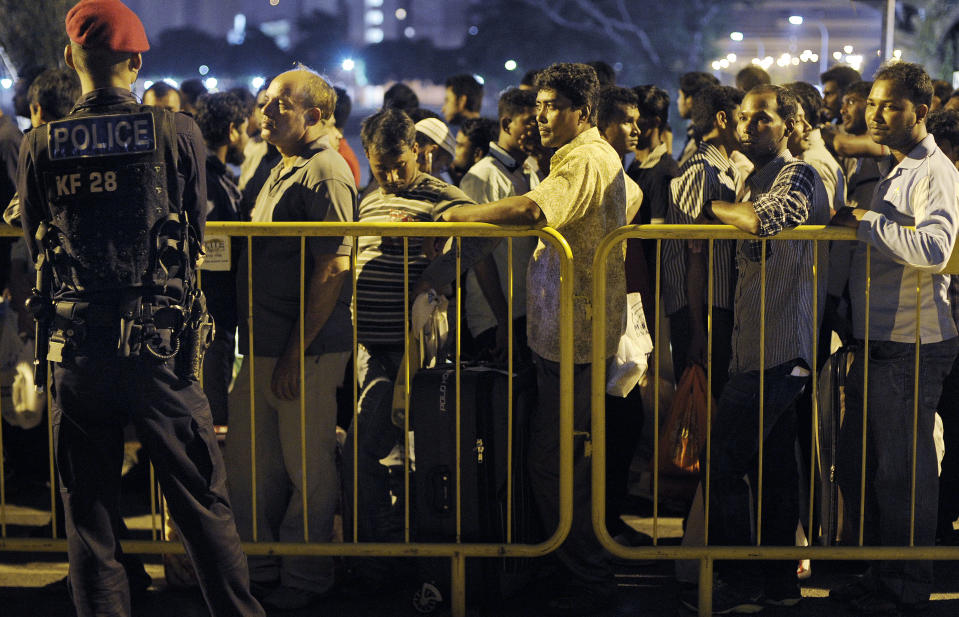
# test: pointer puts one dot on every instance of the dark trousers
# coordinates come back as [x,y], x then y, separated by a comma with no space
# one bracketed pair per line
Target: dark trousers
[218,373]
[374,436]
[220,290]
[889,454]
[94,397]
[584,559]
[735,455]
[680,334]
[949,477]
[624,427]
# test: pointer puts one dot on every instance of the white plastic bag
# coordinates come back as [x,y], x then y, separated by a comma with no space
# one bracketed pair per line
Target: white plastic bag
[430,328]
[632,356]
[16,363]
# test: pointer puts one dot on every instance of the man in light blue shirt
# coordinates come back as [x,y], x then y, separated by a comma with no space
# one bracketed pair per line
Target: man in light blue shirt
[911,229]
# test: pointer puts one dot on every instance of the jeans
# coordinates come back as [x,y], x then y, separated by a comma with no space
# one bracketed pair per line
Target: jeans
[889,454]
[735,454]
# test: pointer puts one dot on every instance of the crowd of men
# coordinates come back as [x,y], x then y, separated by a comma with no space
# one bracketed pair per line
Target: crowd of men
[570,149]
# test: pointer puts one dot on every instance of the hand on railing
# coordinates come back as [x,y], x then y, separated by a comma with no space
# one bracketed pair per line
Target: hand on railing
[848,217]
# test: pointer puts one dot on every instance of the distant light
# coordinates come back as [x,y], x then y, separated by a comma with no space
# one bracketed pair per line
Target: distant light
[724,63]
[171,82]
[814,58]
[736,36]
[716,65]
[854,61]
[837,55]
[146,85]
[795,20]
[374,17]
[847,49]
[897,53]
[374,2]
[795,61]
[618,67]
[409,32]
[274,2]
[400,14]
[731,57]
[348,64]
[510,65]
[6,82]
[203,70]
[807,52]
[479,78]
[257,82]
[757,61]
[373,35]
[473,30]
[210,83]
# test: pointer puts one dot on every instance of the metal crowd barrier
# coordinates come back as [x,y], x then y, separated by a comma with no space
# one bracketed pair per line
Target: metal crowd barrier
[707,554]
[457,551]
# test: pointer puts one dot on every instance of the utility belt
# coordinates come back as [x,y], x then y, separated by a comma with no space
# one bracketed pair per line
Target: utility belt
[138,329]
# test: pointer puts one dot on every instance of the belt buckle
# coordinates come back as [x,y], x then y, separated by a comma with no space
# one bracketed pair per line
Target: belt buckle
[55,346]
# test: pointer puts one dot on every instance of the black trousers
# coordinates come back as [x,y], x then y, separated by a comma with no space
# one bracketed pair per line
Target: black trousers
[94,397]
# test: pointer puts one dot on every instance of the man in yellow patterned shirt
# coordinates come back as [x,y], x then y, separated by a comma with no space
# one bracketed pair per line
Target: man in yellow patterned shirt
[585,197]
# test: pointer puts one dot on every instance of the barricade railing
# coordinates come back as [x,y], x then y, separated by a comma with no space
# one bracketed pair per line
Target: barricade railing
[707,554]
[457,551]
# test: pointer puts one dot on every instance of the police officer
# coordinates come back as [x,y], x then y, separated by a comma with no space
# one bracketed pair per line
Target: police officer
[113,200]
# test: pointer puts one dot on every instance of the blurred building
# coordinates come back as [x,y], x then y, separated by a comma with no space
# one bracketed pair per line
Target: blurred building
[443,22]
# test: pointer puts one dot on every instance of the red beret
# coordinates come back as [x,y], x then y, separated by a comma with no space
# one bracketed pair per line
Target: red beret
[106,24]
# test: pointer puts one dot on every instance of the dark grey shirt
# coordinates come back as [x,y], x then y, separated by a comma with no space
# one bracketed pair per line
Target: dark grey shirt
[316,187]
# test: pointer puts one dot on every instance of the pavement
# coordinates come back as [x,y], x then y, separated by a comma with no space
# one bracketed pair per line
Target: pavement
[31,584]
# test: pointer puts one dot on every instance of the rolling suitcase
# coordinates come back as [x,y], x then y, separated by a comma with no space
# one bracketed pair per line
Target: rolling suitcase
[482,477]
[832,408]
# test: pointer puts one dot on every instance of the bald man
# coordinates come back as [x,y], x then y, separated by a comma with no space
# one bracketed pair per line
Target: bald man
[312,183]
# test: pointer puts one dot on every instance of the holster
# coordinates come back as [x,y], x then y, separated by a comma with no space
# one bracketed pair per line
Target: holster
[196,338]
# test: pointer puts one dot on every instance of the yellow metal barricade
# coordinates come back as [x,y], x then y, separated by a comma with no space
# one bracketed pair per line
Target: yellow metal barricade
[456,551]
[707,554]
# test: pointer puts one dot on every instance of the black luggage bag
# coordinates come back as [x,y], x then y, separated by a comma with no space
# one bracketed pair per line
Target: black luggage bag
[484,446]
[832,409]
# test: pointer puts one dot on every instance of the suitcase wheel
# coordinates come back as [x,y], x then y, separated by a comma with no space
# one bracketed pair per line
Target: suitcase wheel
[427,598]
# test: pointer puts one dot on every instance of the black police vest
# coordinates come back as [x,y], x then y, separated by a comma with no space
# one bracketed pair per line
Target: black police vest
[112,190]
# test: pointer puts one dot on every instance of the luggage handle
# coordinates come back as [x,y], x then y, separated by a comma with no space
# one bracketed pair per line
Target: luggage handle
[441,481]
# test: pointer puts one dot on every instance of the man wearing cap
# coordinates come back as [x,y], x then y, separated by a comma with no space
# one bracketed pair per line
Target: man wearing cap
[436,147]
[101,191]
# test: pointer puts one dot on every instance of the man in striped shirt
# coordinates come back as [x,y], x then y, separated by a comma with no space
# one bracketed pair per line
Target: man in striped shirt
[404,194]
[911,229]
[709,174]
[771,354]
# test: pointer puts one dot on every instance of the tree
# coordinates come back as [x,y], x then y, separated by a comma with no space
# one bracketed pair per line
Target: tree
[180,51]
[32,32]
[657,40]
[934,32]
[322,39]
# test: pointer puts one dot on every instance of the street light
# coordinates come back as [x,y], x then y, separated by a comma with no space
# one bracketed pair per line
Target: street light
[798,20]
[736,36]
